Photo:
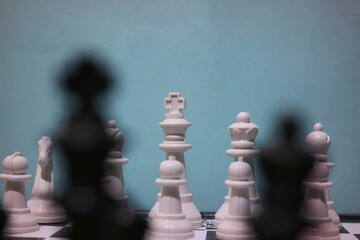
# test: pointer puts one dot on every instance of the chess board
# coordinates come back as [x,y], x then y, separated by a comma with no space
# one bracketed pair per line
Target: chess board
[350,231]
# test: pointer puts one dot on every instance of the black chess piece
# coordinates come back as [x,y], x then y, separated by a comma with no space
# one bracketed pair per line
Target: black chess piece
[285,168]
[85,145]
[3,218]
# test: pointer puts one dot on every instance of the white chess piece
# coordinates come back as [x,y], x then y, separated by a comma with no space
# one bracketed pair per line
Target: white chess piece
[42,203]
[243,134]
[19,217]
[318,143]
[175,126]
[170,222]
[235,225]
[316,209]
[114,180]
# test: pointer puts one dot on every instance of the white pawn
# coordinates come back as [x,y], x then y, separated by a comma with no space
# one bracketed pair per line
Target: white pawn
[114,179]
[170,222]
[318,143]
[42,204]
[19,217]
[235,225]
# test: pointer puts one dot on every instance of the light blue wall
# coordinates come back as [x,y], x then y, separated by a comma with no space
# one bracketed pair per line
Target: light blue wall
[223,56]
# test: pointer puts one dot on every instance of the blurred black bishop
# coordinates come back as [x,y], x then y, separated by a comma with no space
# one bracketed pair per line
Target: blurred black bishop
[85,145]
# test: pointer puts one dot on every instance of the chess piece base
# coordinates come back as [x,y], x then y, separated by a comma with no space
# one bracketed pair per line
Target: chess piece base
[20,221]
[175,227]
[126,213]
[255,208]
[235,228]
[188,207]
[333,215]
[220,214]
[46,211]
[154,209]
[323,229]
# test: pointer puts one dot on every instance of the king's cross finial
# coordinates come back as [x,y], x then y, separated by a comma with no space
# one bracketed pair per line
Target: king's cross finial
[175,103]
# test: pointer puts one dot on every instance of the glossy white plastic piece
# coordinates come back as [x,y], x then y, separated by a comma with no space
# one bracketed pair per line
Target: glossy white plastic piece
[19,217]
[235,225]
[42,203]
[175,126]
[319,143]
[170,222]
[114,180]
[316,209]
[243,134]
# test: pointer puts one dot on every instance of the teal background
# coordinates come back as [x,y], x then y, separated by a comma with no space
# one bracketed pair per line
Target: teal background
[263,57]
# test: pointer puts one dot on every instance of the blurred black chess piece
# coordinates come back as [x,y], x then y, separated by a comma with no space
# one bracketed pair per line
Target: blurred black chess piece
[285,168]
[85,145]
[3,218]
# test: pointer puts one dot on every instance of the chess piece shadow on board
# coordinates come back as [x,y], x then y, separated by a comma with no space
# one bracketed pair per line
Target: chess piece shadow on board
[285,167]
[85,146]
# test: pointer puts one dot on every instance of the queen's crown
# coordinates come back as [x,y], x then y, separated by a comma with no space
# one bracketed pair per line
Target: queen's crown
[243,129]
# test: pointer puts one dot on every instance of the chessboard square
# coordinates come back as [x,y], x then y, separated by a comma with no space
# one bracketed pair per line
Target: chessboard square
[343,230]
[357,235]
[353,228]
[63,233]
[211,235]
[199,234]
[346,236]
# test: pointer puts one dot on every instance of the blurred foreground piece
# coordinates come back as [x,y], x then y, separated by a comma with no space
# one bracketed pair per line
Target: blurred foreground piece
[85,145]
[285,167]
[243,134]
[170,222]
[2,222]
[316,210]
[42,204]
[19,217]
[175,126]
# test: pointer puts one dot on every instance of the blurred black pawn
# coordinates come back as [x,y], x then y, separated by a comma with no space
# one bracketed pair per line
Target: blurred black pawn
[285,167]
[85,145]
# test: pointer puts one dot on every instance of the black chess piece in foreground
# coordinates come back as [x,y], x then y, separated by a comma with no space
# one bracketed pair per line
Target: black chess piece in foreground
[3,218]
[285,168]
[85,145]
